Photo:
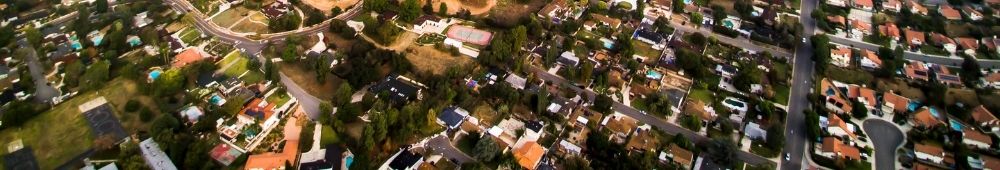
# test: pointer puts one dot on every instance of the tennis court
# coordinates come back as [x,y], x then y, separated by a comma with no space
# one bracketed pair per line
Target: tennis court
[469,35]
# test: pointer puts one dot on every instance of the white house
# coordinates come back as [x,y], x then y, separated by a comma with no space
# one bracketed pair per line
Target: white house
[841,57]
[430,24]
[892,5]
[840,3]
[929,153]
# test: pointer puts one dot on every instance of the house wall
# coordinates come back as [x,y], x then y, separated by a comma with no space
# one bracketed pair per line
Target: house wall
[932,158]
[975,143]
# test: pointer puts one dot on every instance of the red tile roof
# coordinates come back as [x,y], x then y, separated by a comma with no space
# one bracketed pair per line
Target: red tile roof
[929,149]
[837,19]
[914,37]
[864,3]
[870,55]
[836,121]
[189,56]
[529,155]
[923,118]
[889,29]
[832,144]
[967,43]
[990,162]
[982,115]
[949,13]
[899,103]
[917,70]
[974,135]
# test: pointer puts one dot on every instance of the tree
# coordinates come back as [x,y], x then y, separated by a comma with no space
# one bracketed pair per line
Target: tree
[586,71]
[96,75]
[409,10]
[858,110]
[376,5]
[486,150]
[343,94]
[428,7]
[101,6]
[970,71]
[722,150]
[775,137]
[812,125]
[718,13]
[6,35]
[696,19]
[72,73]
[443,9]
[576,162]
[677,6]
[821,52]
[33,35]
[603,103]
[82,25]
[170,82]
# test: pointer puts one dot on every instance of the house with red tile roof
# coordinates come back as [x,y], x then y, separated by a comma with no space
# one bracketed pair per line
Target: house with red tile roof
[930,153]
[972,14]
[838,127]
[917,70]
[864,95]
[860,28]
[837,21]
[985,119]
[257,109]
[976,139]
[945,76]
[992,80]
[927,118]
[870,60]
[990,162]
[529,154]
[894,103]
[835,148]
[840,3]
[990,43]
[967,43]
[866,5]
[189,56]
[914,38]
[892,5]
[276,160]
[949,12]
[890,30]
[917,8]
[943,41]
[835,100]
[840,56]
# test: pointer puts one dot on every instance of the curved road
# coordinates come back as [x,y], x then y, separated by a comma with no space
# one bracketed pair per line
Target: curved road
[309,103]
[888,139]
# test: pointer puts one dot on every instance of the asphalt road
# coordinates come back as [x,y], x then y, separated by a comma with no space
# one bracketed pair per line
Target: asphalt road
[886,137]
[739,42]
[795,143]
[43,92]
[943,60]
[648,119]
[441,145]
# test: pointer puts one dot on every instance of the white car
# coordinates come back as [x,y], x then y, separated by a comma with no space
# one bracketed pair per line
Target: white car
[788,157]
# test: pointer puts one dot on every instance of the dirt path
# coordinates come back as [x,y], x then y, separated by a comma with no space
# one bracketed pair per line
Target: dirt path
[455,5]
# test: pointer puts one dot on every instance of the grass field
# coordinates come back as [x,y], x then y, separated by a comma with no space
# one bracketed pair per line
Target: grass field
[279,98]
[230,17]
[701,94]
[189,35]
[239,69]
[62,133]
[307,80]
[251,27]
[646,50]
[328,137]
[428,59]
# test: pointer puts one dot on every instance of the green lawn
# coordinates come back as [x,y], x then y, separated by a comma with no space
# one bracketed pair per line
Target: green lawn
[851,76]
[701,94]
[189,35]
[62,133]
[781,93]
[230,57]
[760,149]
[328,137]
[279,98]
[646,50]
[240,67]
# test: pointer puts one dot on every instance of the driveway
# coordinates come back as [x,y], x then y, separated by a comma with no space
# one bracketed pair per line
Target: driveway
[886,138]
[442,145]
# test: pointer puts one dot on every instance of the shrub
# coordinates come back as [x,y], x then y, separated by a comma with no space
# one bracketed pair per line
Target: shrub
[132,105]
[146,115]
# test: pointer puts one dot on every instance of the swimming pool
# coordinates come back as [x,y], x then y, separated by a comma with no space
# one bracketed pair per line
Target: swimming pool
[653,75]
[728,24]
[97,40]
[608,44]
[955,125]
[688,2]
[75,43]
[134,41]
[216,100]
[155,74]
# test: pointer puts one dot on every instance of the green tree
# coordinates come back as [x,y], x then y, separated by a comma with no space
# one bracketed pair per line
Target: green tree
[677,6]
[586,71]
[696,19]
[101,6]
[6,35]
[170,82]
[812,125]
[343,94]
[603,103]
[858,110]
[723,151]
[821,52]
[775,137]
[96,75]
[410,10]
[376,5]
[486,150]
[443,9]
[72,73]
[33,36]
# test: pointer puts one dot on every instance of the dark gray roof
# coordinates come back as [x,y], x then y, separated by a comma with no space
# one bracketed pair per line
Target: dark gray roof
[451,117]
[534,125]
[399,91]
[22,159]
[404,159]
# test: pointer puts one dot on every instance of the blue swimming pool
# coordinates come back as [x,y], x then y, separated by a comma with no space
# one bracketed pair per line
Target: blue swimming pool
[608,44]
[134,41]
[154,74]
[216,100]
[653,74]
[955,125]
[97,40]
[348,161]
[688,1]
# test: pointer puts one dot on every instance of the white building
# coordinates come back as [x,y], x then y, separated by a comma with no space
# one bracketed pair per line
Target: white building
[929,153]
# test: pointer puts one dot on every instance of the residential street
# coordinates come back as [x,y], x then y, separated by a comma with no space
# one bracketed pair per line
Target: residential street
[442,145]
[307,102]
[647,119]
[795,143]
[43,91]
[738,42]
[886,138]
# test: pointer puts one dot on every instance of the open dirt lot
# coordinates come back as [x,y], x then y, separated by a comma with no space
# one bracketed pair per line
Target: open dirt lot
[512,12]
[251,27]
[426,58]
[476,8]
[307,80]
[327,5]
[901,87]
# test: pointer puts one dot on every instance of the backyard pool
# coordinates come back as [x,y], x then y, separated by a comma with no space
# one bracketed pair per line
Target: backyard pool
[154,74]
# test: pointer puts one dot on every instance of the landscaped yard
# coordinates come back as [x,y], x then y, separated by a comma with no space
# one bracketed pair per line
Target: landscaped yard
[189,35]
[239,69]
[229,17]
[646,50]
[328,137]
[759,149]
[781,93]
[702,95]
[851,76]
[430,39]
[62,133]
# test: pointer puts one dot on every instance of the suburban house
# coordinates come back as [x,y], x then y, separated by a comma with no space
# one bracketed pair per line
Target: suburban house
[917,70]
[838,21]
[430,24]
[985,119]
[838,127]
[917,8]
[870,60]
[555,10]
[678,155]
[914,38]
[403,160]
[866,5]
[841,56]
[989,162]
[949,12]
[620,125]
[945,76]
[835,148]
[598,20]
[398,89]
[889,30]
[859,28]
[840,3]
[970,45]
[257,109]
[976,139]
[155,158]
[189,56]
[930,153]
[972,14]
[642,140]
[991,80]
[452,117]
[225,154]
[892,5]
[650,37]
[754,131]
[528,154]
[835,100]
[927,118]
[894,103]
[277,9]
[944,41]
[864,95]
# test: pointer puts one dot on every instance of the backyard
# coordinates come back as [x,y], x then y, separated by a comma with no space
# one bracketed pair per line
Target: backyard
[236,66]
[428,59]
